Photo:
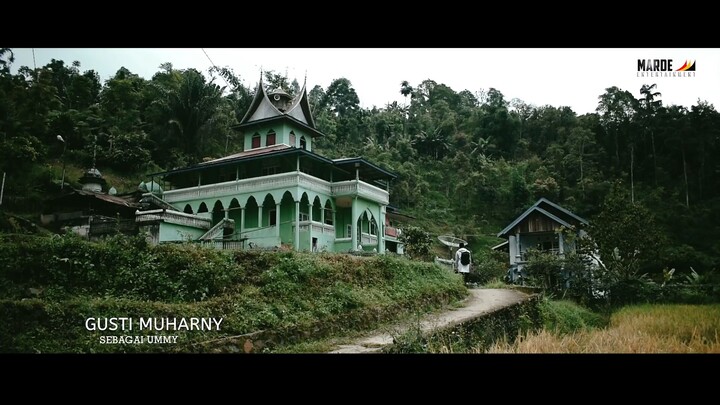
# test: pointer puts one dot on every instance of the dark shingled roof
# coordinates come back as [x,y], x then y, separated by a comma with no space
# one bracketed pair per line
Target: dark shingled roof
[548,209]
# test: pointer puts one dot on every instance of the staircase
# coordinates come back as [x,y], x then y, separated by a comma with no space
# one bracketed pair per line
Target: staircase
[218,230]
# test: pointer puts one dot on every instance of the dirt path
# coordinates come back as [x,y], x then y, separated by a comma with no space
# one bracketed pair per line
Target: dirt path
[480,301]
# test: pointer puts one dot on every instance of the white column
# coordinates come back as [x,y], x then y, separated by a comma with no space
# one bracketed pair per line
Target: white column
[512,249]
[381,231]
[259,216]
[277,221]
[310,220]
[297,226]
[353,226]
[242,221]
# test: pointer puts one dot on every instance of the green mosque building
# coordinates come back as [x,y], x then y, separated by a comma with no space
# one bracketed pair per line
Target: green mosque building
[276,192]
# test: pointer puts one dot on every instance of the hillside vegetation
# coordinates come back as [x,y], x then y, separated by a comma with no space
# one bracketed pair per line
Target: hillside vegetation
[468,160]
[633,329]
[52,285]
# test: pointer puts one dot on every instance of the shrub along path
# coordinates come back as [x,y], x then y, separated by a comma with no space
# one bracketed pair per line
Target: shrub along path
[481,301]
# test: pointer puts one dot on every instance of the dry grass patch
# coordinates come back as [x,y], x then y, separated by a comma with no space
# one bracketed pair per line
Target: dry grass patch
[636,329]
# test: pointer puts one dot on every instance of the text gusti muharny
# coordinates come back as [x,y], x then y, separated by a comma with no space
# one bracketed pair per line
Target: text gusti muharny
[156,324]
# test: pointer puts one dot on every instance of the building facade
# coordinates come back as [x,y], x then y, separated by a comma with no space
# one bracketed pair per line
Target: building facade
[275,193]
[539,228]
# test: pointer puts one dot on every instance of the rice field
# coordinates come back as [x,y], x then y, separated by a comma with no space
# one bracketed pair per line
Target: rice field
[635,329]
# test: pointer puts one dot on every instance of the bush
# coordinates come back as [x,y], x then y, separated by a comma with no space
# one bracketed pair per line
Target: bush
[488,266]
[288,296]
[120,266]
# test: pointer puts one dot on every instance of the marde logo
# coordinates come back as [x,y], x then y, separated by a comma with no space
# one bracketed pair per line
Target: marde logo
[665,68]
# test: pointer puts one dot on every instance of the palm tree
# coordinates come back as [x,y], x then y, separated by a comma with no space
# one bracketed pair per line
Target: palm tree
[189,105]
[406,89]
[649,108]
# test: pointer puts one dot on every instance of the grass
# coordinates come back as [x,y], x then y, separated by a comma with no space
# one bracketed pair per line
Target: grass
[634,329]
[282,299]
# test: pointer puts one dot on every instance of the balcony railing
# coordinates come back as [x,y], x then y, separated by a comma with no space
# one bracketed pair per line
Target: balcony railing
[355,187]
[224,244]
[173,217]
[368,239]
[276,181]
[317,227]
[263,183]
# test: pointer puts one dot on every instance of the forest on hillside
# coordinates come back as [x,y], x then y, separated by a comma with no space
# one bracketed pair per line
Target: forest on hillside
[645,173]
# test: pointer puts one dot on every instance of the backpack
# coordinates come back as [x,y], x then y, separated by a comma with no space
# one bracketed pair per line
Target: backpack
[465,258]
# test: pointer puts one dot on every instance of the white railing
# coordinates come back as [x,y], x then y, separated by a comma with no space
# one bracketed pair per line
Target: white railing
[262,183]
[354,187]
[373,193]
[276,181]
[218,229]
[368,239]
[315,184]
[317,227]
[224,244]
[173,217]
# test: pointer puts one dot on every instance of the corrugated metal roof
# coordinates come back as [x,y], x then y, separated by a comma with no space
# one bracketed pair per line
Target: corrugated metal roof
[248,153]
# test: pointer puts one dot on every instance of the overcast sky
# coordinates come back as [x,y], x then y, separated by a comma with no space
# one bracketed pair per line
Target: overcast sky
[573,77]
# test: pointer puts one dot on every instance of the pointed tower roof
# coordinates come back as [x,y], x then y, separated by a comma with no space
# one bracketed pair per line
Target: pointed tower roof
[263,109]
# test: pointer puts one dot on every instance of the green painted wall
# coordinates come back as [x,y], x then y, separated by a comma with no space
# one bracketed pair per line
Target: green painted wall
[282,135]
[326,241]
[251,216]
[175,232]
[235,215]
[342,246]
[287,218]
[343,219]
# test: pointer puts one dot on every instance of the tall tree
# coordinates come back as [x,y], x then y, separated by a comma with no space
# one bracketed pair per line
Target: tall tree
[617,110]
[494,121]
[343,103]
[628,236]
[187,103]
[677,138]
[649,107]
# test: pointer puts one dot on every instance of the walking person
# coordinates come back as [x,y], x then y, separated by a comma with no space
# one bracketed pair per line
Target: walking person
[463,258]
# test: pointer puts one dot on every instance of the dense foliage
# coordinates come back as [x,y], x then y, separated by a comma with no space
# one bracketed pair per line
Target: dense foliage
[468,162]
[51,285]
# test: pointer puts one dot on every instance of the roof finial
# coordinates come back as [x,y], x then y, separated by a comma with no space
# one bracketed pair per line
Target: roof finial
[305,81]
